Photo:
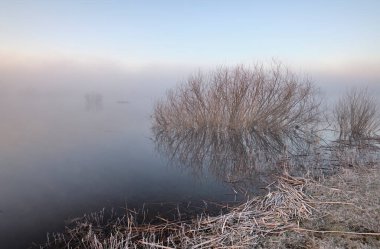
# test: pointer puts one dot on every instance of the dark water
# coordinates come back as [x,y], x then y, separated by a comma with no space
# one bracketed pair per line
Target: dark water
[63,157]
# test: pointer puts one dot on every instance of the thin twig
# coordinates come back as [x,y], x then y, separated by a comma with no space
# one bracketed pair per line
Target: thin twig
[332,231]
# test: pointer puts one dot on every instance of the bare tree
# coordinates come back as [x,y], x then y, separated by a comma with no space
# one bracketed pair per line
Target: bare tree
[275,109]
[356,115]
[94,101]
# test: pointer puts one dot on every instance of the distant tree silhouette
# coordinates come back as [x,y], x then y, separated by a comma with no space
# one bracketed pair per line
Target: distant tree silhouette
[94,101]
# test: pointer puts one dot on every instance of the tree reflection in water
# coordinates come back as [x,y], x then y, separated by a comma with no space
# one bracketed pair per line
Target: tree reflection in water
[230,156]
[237,120]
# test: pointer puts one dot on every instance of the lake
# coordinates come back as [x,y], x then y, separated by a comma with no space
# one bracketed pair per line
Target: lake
[67,150]
[63,157]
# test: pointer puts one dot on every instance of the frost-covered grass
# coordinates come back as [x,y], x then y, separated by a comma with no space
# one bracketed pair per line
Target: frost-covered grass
[330,211]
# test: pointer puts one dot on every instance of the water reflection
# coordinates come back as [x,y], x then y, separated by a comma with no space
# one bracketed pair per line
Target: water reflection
[231,156]
[238,120]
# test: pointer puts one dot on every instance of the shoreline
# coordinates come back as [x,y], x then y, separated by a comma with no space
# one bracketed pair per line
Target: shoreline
[296,211]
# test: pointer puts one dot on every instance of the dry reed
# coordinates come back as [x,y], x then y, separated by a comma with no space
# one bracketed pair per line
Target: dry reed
[290,205]
[241,227]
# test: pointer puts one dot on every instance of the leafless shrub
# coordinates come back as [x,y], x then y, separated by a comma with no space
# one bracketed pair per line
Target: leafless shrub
[273,107]
[356,115]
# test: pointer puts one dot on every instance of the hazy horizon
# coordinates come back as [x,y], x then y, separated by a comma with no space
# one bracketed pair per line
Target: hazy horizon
[79,81]
[333,37]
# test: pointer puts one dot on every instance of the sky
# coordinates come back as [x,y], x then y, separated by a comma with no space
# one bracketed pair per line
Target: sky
[333,37]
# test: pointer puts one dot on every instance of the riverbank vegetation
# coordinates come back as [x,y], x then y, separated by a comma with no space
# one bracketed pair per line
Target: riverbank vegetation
[271,106]
[239,122]
[356,115]
[339,211]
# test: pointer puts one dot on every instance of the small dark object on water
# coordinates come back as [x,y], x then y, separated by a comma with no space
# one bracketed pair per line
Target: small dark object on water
[122,102]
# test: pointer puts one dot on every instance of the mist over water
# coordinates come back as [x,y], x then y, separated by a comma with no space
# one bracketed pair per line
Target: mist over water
[75,142]
[76,139]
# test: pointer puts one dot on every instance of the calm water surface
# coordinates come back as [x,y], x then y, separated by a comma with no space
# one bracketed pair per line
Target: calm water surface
[65,155]
[62,157]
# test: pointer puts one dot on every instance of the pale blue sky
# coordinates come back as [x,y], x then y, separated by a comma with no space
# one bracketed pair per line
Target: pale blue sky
[311,33]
